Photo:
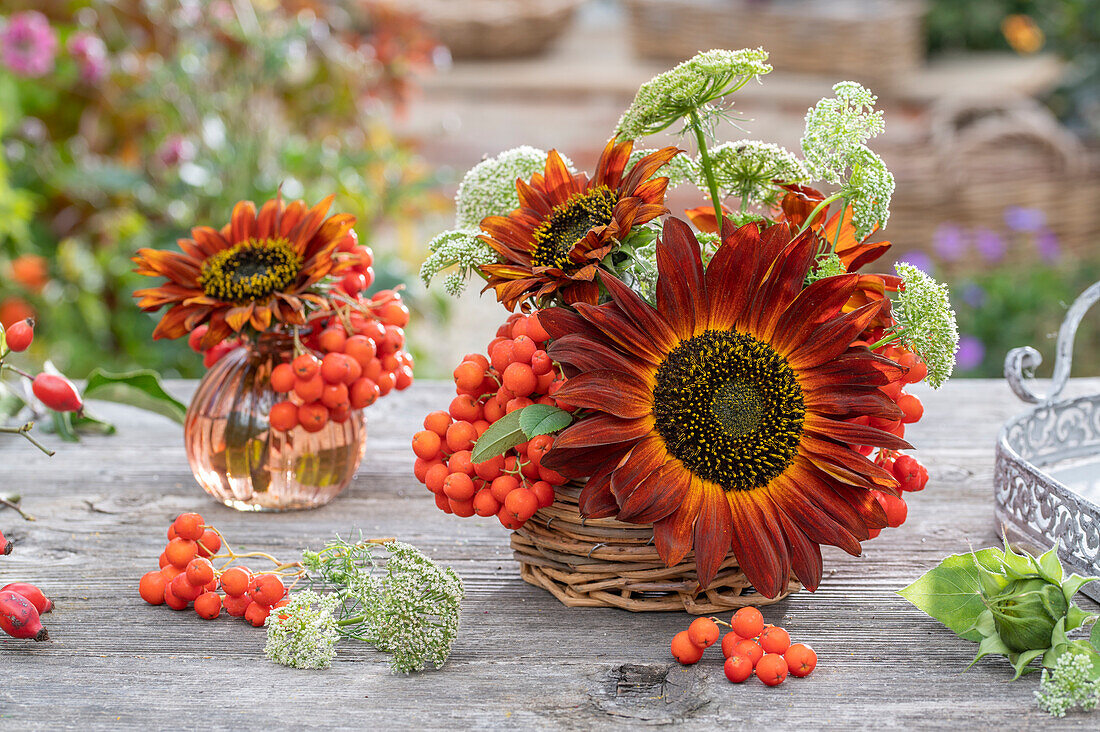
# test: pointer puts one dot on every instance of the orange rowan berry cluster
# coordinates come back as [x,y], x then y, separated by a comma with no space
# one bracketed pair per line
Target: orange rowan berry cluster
[910,474]
[511,486]
[749,647]
[188,578]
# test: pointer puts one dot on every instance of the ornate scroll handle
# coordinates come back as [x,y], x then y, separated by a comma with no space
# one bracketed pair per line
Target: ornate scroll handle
[1020,363]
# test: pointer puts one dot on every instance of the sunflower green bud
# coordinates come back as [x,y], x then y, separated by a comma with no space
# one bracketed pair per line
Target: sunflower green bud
[1026,612]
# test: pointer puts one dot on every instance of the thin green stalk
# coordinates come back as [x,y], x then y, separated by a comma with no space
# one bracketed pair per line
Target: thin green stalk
[813,214]
[886,340]
[25,431]
[696,125]
[14,369]
[840,224]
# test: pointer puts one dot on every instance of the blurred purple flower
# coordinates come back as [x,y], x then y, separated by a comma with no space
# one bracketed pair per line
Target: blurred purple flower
[90,53]
[1019,218]
[973,295]
[918,259]
[175,150]
[948,242]
[990,245]
[1047,244]
[28,44]
[971,353]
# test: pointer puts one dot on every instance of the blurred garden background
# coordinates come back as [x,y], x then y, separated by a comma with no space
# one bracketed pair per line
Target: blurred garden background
[123,123]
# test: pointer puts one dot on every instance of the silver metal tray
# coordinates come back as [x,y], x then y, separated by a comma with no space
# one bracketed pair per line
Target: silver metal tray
[1046,482]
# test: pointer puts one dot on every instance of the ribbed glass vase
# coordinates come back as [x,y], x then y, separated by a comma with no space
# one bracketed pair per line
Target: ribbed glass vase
[243,463]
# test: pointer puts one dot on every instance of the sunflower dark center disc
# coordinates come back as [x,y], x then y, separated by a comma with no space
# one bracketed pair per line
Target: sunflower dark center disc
[251,270]
[569,223]
[730,408]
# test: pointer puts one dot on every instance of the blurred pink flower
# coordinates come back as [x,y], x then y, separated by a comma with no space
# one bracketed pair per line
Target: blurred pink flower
[90,53]
[175,150]
[28,44]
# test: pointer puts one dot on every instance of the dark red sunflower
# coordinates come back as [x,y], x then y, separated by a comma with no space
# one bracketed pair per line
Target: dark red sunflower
[720,416]
[553,243]
[260,268]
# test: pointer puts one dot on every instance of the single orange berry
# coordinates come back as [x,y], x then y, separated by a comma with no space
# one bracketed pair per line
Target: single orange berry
[235,581]
[151,588]
[208,605]
[738,668]
[200,572]
[801,660]
[283,416]
[236,606]
[256,614]
[181,551]
[775,640]
[283,378]
[426,444]
[266,589]
[747,622]
[683,650]
[209,544]
[703,632]
[188,526]
[772,669]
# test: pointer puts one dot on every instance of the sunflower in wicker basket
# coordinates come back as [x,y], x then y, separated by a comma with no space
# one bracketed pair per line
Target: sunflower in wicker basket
[681,414]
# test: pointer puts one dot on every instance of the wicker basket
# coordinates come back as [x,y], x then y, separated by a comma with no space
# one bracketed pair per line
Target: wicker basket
[608,563]
[474,29]
[981,159]
[873,41]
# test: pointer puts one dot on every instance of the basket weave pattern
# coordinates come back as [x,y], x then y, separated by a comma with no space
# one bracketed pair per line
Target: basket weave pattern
[608,563]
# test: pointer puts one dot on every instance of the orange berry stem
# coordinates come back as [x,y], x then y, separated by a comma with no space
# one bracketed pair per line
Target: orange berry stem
[721,622]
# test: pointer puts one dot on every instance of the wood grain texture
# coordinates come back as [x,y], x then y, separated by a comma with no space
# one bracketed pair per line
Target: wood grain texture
[522,660]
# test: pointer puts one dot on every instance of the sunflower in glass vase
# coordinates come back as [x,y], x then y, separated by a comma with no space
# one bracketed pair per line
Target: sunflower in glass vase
[712,404]
[275,300]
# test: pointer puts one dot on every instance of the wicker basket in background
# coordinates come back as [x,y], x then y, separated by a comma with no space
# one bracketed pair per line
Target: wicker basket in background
[474,29]
[872,41]
[979,160]
[608,563]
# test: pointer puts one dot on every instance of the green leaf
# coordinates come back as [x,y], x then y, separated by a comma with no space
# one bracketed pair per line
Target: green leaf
[87,422]
[1072,585]
[63,426]
[542,419]
[950,592]
[1094,636]
[1049,566]
[140,389]
[501,436]
[1076,617]
[990,645]
[1020,662]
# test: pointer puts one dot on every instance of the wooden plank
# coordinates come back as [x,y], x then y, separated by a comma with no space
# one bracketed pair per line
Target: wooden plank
[521,660]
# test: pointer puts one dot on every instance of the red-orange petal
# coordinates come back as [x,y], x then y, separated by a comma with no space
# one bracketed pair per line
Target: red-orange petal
[603,429]
[608,391]
[656,496]
[713,532]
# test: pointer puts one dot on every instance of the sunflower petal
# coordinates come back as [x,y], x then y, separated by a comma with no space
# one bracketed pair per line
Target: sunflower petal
[595,500]
[645,458]
[621,331]
[673,535]
[758,545]
[609,391]
[681,286]
[832,338]
[640,312]
[853,434]
[805,555]
[733,275]
[656,496]
[585,354]
[713,532]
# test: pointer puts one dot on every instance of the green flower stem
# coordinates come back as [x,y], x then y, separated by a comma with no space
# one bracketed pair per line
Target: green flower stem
[696,124]
[12,503]
[16,370]
[813,214]
[887,339]
[25,431]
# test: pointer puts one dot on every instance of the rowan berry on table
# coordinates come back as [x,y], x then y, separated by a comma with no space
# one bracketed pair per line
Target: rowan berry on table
[208,605]
[236,581]
[181,551]
[703,632]
[738,668]
[728,641]
[683,650]
[256,614]
[188,526]
[151,588]
[801,660]
[266,589]
[200,572]
[236,605]
[749,648]
[775,640]
[747,622]
[183,589]
[772,669]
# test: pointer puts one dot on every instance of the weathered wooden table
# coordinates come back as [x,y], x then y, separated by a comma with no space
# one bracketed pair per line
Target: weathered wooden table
[522,660]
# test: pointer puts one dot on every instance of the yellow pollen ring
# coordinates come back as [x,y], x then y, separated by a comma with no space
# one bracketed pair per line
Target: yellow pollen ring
[250,270]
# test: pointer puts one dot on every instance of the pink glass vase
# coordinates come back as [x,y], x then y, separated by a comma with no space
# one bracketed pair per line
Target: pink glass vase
[243,463]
